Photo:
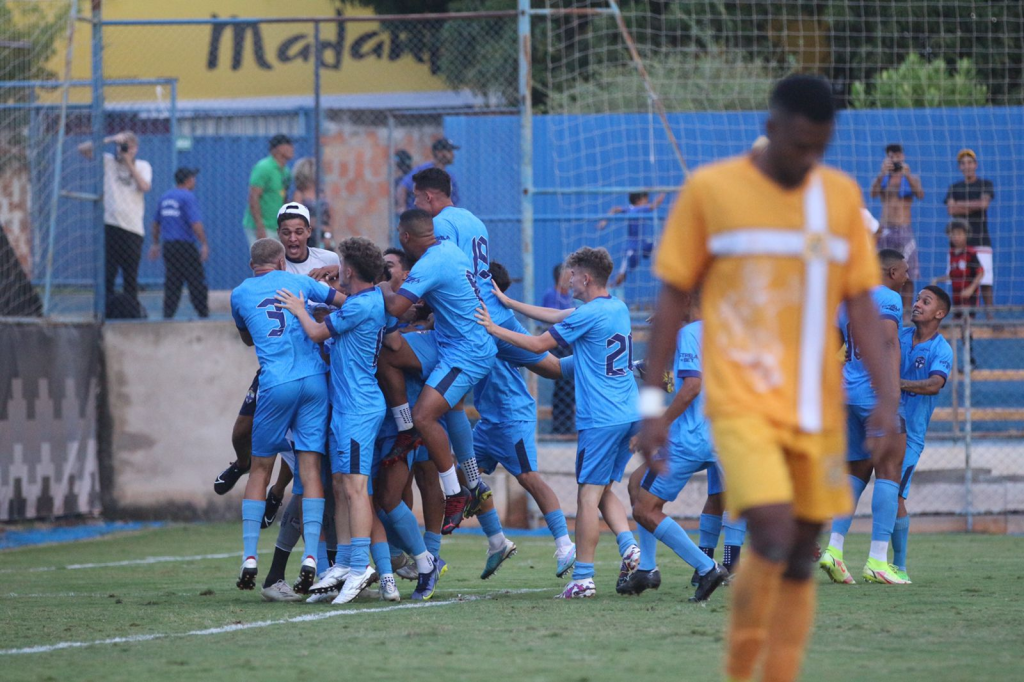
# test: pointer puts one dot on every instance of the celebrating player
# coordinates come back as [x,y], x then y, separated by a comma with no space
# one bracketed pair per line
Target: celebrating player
[639,231]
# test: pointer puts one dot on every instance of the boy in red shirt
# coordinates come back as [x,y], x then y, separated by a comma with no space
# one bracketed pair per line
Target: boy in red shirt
[965,270]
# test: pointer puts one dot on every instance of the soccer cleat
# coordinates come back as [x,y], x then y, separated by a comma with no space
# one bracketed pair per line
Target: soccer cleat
[654,579]
[442,566]
[280,591]
[455,510]
[427,583]
[695,578]
[709,582]
[477,496]
[496,559]
[388,588]
[247,578]
[636,582]
[630,561]
[227,479]
[566,561]
[273,504]
[307,575]
[578,589]
[323,597]
[405,442]
[404,567]
[877,571]
[900,573]
[832,563]
[331,580]
[355,584]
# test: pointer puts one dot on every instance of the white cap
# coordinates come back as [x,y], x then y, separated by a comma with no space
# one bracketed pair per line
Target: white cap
[869,221]
[296,208]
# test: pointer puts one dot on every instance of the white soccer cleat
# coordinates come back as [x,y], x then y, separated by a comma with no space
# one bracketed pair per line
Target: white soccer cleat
[280,591]
[388,588]
[331,580]
[247,576]
[630,562]
[354,584]
[579,589]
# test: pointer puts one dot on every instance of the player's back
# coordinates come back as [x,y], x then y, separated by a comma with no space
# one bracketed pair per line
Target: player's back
[601,335]
[358,328]
[503,396]
[316,258]
[284,350]
[933,357]
[690,430]
[470,234]
[640,221]
[856,379]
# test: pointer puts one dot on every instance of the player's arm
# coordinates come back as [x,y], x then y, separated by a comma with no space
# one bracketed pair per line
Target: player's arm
[930,386]
[255,193]
[296,305]
[534,344]
[688,392]
[876,355]
[539,313]
[658,201]
[615,211]
[396,304]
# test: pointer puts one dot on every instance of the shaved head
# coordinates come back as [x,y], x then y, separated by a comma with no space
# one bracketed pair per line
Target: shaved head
[266,251]
[417,222]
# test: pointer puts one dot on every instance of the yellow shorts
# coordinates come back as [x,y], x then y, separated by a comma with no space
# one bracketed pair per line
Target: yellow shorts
[765,464]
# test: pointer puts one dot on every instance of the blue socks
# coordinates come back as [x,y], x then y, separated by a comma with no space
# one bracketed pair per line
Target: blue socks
[625,540]
[673,535]
[433,542]
[406,529]
[735,531]
[556,523]
[841,524]
[710,529]
[312,522]
[884,505]
[381,553]
[252,515]
[900,533]
[322,561]
[582,570]
[460,433]
[648,549]
[343,558]
[360,554]
[490,523]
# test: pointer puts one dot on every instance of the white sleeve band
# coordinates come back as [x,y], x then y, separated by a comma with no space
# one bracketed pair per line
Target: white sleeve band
[652,402]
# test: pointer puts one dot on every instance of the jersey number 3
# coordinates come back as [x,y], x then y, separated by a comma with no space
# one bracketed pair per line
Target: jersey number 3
[274,314]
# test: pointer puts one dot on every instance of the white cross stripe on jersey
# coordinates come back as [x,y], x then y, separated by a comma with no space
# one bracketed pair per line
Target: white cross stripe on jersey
[816,248]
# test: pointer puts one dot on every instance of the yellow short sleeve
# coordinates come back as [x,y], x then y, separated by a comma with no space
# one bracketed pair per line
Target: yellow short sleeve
[862,269]
[683,253]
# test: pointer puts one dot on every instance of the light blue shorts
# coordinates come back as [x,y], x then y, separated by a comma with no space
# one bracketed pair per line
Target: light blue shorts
[353,437]
[603,453]
[300,406]
[510,444]
[681,467]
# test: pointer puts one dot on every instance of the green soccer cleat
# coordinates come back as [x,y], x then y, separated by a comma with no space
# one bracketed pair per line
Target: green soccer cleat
[900,573]
[878,571]
[832,563]
[496,559]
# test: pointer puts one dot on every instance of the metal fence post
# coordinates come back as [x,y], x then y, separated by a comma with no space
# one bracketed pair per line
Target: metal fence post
[100,296]
[317,157]
[968,431]
[392,218]
[526,150]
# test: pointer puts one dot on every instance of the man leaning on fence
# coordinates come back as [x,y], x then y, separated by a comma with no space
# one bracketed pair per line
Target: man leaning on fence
[178,230]
[126,179]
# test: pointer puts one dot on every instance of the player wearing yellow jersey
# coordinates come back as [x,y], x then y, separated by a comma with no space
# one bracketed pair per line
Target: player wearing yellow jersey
[775,242]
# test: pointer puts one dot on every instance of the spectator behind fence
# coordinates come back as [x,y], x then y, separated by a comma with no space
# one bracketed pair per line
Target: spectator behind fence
[178,230]
[563,398]
[444,156]
[319,210]
[268,188]
[126,179]
[898,188]
[966,272]
[969,199]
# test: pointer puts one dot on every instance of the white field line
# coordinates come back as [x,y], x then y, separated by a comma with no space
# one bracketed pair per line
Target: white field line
[121,593]
[128,562]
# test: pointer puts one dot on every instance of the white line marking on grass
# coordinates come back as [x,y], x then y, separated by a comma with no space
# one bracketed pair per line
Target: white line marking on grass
[47,648]
[128,562]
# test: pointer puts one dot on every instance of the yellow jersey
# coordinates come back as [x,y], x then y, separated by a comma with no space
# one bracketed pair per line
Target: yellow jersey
[773,265]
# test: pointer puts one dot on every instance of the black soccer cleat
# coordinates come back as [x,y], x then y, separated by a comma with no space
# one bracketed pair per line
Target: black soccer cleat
[480,493]
[455,510]
[307,576]
[637,582]
[654,579]
[695,578]
[273,505]
[227,479]
[709,582]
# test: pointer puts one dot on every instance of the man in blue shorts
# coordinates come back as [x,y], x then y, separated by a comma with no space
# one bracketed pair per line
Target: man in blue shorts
[927,362]
[861,400]
[292,396]
[601,336]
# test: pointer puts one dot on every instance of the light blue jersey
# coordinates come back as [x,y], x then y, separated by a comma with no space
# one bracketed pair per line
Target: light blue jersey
[601,336]
[443,277]
[933,357]
[856,379]
[284,350]
[690,431]
[358,332]
[502,396]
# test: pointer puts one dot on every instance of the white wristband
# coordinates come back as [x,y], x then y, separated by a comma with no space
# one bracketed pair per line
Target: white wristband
[652,402]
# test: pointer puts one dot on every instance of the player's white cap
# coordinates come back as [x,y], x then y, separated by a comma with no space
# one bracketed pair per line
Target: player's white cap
[869,221]
[294,208]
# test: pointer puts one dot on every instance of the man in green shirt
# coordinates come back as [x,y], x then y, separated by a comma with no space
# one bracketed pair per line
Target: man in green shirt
[268,187]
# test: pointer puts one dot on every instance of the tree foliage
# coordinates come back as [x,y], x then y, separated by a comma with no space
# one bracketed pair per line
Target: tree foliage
[918,84]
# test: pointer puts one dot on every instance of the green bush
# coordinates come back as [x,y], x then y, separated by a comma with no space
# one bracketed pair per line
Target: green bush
[920,84]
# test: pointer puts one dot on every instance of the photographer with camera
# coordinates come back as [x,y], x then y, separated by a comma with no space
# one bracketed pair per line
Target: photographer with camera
[126,179]
[898,188]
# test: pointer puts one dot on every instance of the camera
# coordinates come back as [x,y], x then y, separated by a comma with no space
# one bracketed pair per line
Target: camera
[897,166]
[123,147]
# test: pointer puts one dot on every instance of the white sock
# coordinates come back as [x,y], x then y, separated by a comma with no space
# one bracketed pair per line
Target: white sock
[495,542]
[879,550]
[836,541]
[563,543]
[424,562]
[403,416]
[450,482]
[472,472]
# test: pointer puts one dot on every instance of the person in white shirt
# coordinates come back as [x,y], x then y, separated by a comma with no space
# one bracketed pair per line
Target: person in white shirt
[126,179]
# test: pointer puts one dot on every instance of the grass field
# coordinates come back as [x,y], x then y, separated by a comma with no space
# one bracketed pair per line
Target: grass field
[962,619]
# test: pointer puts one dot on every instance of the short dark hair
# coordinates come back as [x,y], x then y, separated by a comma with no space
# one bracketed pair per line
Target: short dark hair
[636,197]
[890,257]
[416,222]
[805,95]
[433,178]
[958,224]
[403,258]
[279,139]
[940,294]
[894,148]
[557,273]
[598,262]
[363,256]
[500,276]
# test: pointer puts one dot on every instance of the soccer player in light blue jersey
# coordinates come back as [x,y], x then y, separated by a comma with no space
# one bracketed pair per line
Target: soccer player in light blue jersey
[358,406]
[861,399]
[927,362]
[293,396]
[601,336]
[443,278]
[688,451]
